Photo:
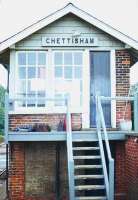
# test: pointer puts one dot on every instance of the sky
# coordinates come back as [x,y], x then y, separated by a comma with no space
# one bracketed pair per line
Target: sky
[18,14]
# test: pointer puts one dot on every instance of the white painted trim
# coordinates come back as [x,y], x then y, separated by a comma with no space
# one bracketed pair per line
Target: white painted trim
[12,73]
[86,90]
[44,110]
[113,87]
[69,8]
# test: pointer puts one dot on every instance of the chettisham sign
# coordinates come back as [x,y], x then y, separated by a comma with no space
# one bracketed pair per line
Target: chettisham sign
[69,41]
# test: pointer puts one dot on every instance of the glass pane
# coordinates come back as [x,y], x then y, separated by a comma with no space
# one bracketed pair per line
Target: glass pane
[58,58]
[58,101]
[68,58]
[78,72]
[29,89]
[31,72]
[78,58]
[22,72]
[68,72]
[22,58]
[32,58]
[58,72]
[41,72]
[41,58]
[41,102]
[31,102]
[22,87]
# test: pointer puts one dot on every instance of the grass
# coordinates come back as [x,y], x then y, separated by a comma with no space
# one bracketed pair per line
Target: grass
[1,138]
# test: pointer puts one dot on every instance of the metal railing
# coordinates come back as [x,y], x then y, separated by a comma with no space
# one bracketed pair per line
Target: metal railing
[100,123]
[70,153]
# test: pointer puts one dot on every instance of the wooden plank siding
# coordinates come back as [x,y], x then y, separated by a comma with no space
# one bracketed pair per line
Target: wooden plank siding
[65,27]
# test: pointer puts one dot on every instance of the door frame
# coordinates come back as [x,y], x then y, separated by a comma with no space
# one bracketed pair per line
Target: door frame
[86,88]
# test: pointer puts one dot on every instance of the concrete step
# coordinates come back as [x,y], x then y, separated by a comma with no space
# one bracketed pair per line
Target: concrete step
[89,187]
[88,177]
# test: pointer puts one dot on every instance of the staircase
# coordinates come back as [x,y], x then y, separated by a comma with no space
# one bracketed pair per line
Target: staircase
[87,170]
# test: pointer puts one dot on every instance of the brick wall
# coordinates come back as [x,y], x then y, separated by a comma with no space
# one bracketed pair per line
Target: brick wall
[51,119]
[132,168]
[17,171]
[120,190]
[33,171]
[123,63]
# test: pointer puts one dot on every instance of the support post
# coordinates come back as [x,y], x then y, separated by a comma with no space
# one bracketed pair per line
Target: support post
[70,153]
[6,125]
[111,179]
[136,112]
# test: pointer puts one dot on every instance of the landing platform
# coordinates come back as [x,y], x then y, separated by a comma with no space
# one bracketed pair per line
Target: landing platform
[62,136]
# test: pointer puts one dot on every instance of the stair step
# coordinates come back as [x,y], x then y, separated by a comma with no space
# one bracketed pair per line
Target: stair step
[89,187]
[88,166]
[85,148]
[89,177]
[86,140]
[86,157]
[91,198]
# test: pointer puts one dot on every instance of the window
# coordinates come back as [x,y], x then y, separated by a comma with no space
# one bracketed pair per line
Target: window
[31,69]
[68,75]
[36,81]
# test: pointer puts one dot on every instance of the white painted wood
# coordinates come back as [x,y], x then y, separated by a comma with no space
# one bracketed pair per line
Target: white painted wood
[86,90]
[70,8]
[12,73]
[113,87]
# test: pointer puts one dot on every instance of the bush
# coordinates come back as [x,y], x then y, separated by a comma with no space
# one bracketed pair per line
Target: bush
[1,139]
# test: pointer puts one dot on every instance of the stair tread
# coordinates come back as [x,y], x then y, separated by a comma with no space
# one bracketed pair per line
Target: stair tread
[91,198]
[86,157]
[89,187]
[86,140]
[87,166]
[86,148]
[88,176]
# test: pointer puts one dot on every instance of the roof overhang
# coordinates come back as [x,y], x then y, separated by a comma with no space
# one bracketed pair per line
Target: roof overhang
[69,8]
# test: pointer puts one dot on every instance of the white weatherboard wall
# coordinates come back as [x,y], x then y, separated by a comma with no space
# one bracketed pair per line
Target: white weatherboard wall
[65,27]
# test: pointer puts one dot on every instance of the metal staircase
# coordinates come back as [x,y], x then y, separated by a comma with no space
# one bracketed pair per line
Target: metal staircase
[87,168]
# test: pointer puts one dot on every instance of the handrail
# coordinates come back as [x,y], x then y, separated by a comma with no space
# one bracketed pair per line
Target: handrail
[98,126]
[70,152]
[101,122]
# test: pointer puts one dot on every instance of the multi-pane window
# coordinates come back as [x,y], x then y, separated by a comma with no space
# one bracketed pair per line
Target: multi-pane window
[31,69]
[68,75]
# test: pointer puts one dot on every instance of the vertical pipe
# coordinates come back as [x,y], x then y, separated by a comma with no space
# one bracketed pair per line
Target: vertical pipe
[7,170]
[136,112]
[6,128]
[57,182]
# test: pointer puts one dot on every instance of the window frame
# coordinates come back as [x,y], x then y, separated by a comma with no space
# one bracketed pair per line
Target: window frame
[49,107]
[27,109]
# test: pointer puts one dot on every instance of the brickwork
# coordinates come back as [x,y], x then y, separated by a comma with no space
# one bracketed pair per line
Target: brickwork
[123,63]
[17,171]
[51,119]
[33,171]
[132,168]
[120,190]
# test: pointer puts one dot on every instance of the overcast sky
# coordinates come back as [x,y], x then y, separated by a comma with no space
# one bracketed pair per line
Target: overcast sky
[17,14]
